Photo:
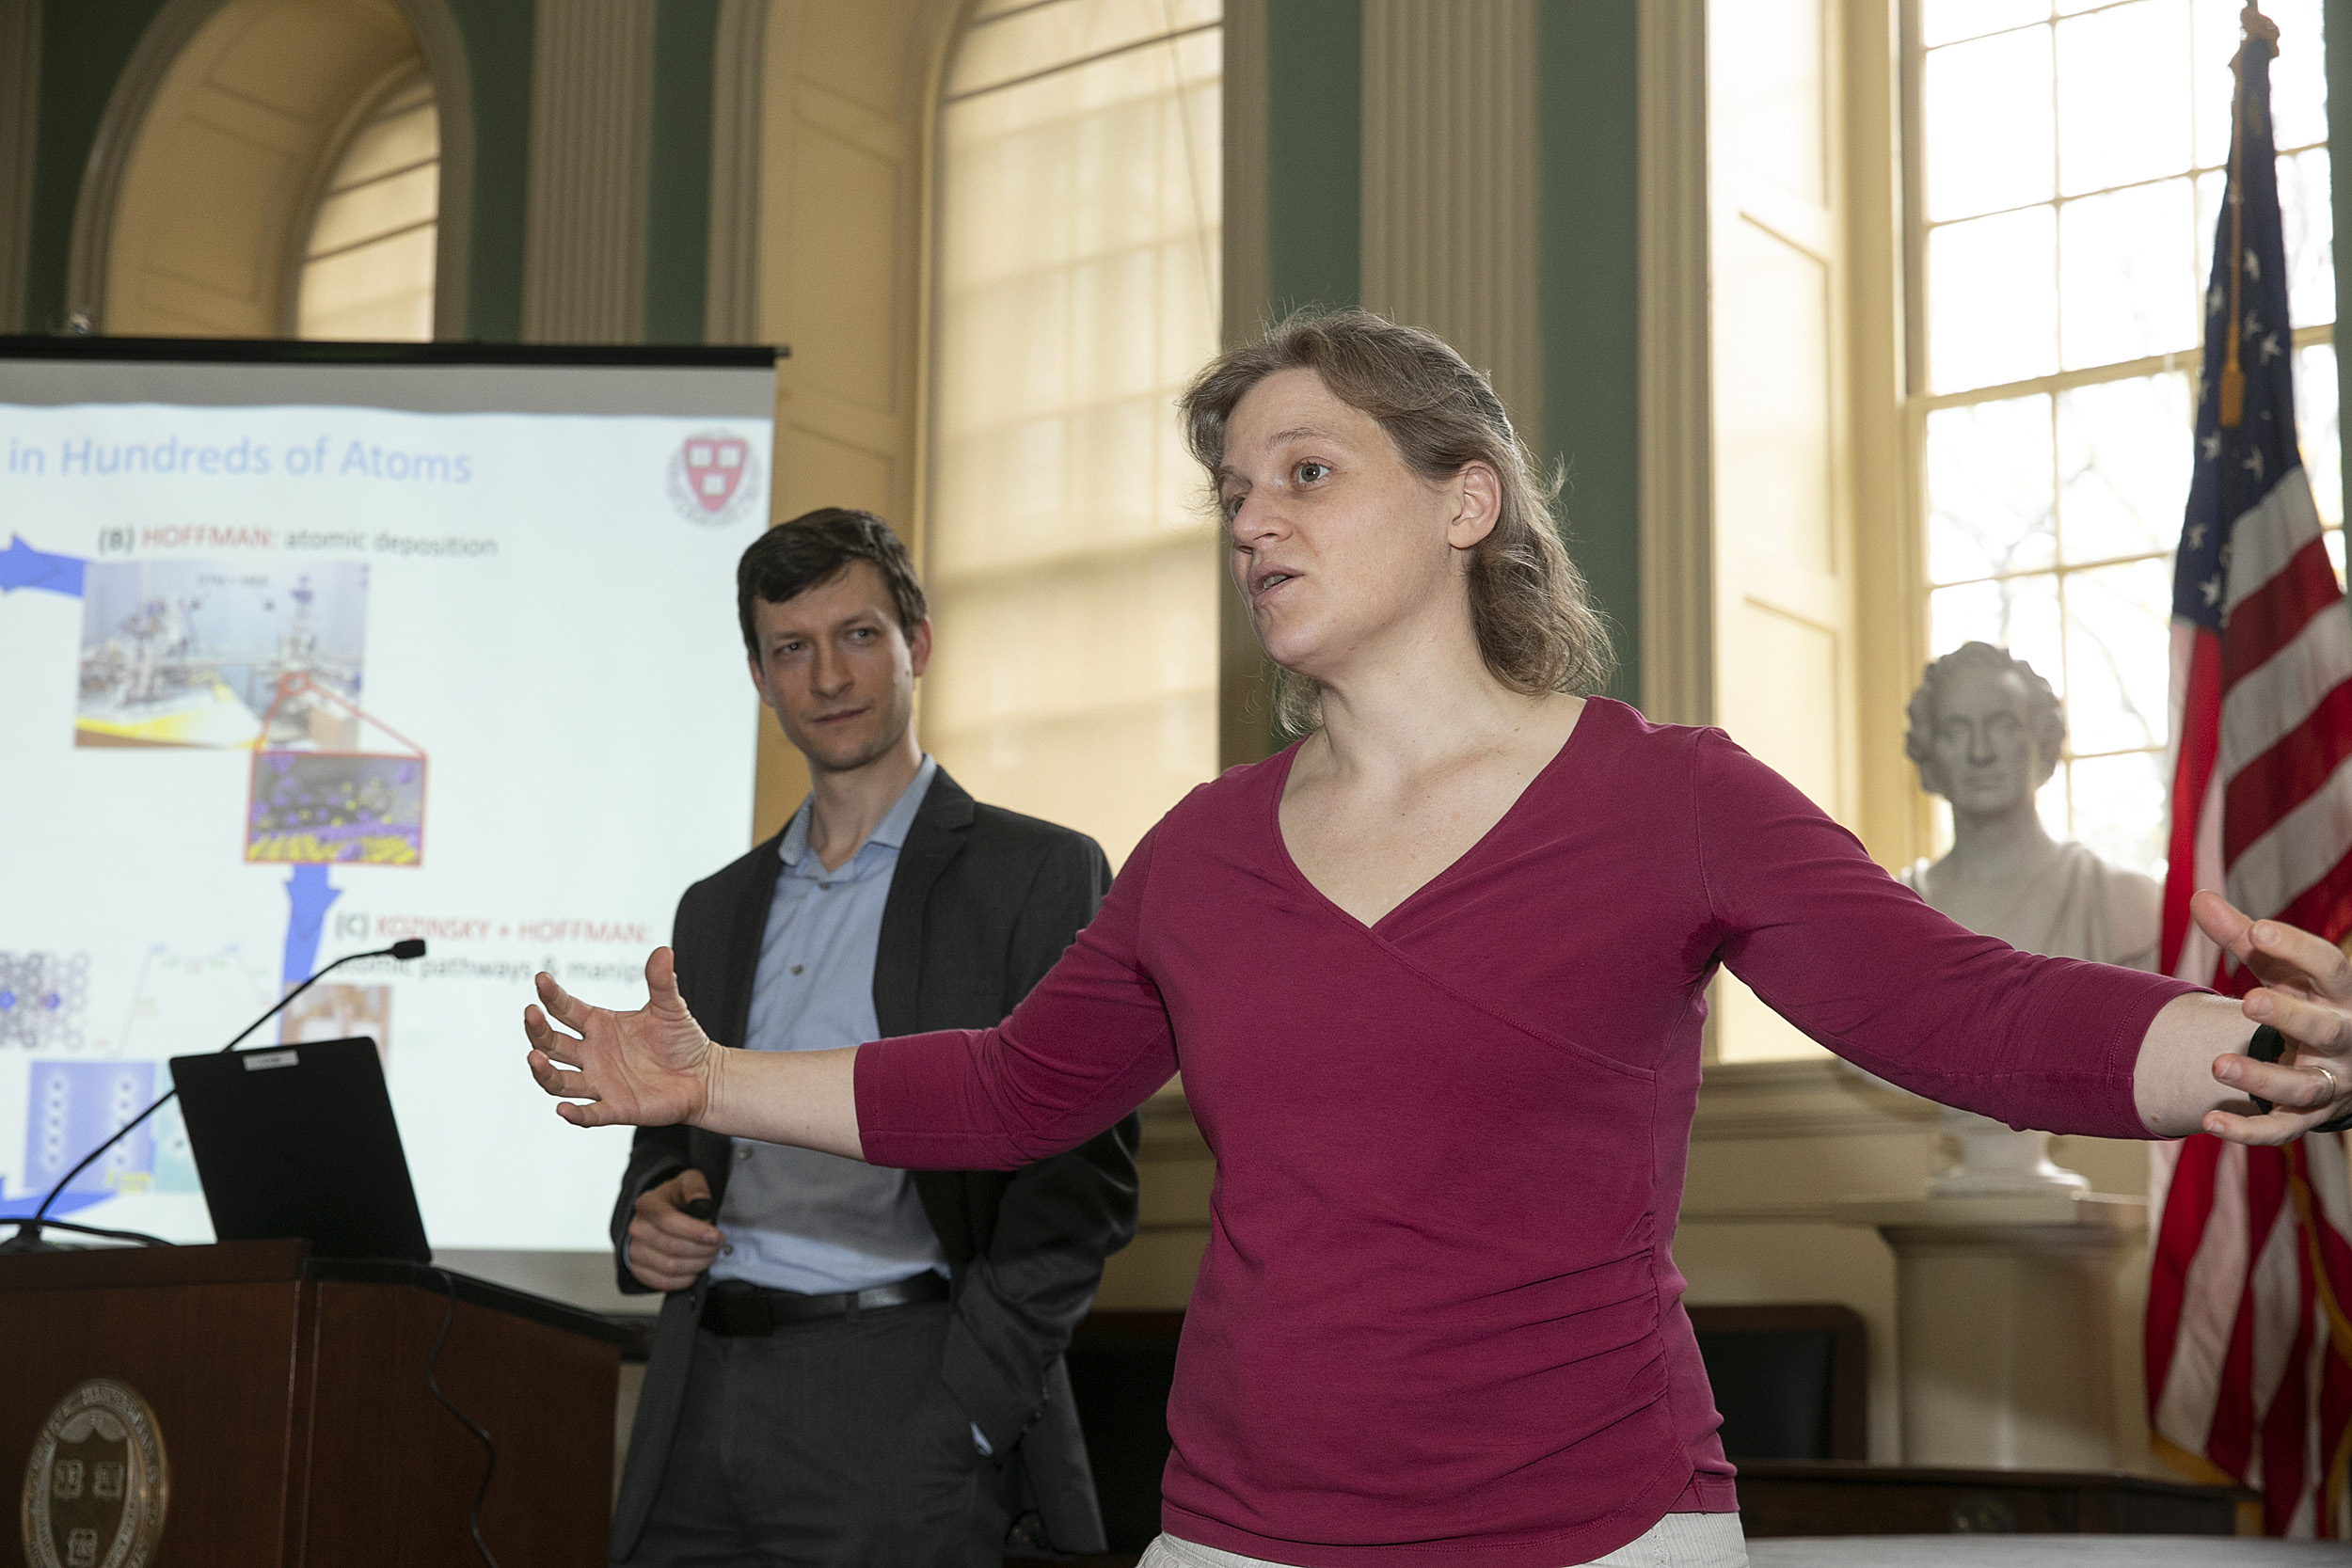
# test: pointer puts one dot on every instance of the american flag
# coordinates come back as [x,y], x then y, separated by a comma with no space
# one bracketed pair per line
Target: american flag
[2248,1350]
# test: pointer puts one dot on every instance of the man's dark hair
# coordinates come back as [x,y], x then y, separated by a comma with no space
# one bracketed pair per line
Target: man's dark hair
[813,549]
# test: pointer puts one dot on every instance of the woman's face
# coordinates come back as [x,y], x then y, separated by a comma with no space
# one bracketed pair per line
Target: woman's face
[1341,551]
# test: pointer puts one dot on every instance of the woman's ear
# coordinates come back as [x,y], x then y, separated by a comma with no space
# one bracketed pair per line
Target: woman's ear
[1479,506]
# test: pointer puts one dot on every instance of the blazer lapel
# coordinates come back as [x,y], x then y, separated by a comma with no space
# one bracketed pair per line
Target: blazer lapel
[747,925]
[935,839]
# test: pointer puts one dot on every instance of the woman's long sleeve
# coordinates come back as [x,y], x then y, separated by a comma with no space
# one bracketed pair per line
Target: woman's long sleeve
[1087,1046]
[1863,965]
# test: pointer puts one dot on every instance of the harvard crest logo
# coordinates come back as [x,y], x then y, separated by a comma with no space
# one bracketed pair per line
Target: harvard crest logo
[96,1484]
[713,477]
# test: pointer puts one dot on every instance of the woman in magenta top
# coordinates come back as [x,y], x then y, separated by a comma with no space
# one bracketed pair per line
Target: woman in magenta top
[1434,977]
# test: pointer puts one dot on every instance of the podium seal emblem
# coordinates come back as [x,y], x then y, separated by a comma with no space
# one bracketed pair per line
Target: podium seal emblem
[96,1483]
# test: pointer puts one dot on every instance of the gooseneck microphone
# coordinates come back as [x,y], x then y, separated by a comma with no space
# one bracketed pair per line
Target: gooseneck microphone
[27,1237]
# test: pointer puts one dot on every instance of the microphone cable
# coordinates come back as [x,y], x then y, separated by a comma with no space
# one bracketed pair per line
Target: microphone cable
[29,1231]
[139,1236]
[490,1444]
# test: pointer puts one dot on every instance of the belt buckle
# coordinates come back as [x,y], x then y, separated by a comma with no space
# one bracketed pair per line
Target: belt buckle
[741,1313]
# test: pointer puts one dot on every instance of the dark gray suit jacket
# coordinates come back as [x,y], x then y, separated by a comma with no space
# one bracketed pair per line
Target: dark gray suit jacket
[981,904]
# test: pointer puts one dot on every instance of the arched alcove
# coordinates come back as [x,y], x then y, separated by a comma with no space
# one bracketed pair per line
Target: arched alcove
[218,143]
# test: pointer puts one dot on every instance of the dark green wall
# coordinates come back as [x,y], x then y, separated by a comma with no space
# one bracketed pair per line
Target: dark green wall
[678,205]
[1589,292]
[83,47]
[1314,152]
[497,35]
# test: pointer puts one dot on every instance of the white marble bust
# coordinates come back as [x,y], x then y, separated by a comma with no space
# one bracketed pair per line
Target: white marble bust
[1985,733]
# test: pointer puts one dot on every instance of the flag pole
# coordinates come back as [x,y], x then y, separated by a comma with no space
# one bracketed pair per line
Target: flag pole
[2253,24]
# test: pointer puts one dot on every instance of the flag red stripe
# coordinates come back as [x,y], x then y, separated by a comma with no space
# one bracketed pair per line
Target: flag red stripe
[2272,784]
[2324,908]
[2283,1423]
[2201,743]
[2187,1205]
[2229,1442]
[2267,619]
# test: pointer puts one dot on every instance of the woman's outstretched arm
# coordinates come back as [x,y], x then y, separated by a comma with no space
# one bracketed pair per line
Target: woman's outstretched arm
[1824,937]
[2193,1075]
[1086,1046]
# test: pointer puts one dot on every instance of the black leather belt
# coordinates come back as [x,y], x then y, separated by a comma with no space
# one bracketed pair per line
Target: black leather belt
[733,1307]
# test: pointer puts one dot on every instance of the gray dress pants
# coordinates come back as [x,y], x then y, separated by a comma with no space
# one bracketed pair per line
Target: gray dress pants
[825,1445]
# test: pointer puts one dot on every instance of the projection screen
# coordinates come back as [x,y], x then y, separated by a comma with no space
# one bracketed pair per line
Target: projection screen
[308,650]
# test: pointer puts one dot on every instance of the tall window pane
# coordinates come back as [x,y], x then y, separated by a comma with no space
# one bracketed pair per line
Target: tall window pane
[368,269]
[2072,176]
[1071,556]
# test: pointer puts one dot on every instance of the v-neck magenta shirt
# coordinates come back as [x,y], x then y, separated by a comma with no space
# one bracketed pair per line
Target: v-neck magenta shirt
[1438,1322]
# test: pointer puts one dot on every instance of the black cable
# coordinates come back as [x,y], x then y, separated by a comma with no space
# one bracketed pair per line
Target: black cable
[139,1236]
[474,1521]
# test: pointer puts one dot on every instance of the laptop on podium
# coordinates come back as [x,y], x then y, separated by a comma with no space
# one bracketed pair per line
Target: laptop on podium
[300,1140]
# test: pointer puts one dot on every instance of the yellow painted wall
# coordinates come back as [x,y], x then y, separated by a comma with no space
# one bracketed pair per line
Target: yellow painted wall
[847,113]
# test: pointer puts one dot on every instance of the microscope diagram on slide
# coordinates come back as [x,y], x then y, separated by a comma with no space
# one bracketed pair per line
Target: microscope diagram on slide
[267,659]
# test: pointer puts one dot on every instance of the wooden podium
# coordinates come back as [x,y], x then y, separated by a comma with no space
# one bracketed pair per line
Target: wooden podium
[289,1392]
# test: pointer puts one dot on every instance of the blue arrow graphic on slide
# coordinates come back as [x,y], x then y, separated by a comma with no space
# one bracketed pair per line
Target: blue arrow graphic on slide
[23,566]
[308,896]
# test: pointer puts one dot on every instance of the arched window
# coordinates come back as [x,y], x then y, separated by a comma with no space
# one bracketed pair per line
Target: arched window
[273,131]
[1068,549]
[367,272]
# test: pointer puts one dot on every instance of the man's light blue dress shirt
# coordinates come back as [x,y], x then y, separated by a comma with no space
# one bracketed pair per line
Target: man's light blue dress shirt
[796,1219]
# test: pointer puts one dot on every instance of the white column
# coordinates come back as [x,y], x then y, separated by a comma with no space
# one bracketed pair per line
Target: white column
[1449,182]
[590,143]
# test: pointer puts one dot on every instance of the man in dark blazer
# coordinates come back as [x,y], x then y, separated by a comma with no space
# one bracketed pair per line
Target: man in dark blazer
[927,1418]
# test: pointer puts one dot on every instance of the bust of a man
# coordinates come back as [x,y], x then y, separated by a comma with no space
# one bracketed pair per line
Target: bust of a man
[1985,733]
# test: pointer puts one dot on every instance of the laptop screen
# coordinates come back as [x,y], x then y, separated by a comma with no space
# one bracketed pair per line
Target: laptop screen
[300,1140]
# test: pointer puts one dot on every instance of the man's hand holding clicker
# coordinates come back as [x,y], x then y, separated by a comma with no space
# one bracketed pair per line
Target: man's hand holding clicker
[669,1248]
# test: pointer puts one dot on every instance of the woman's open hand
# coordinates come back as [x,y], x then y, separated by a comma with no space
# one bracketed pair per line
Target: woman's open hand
[650,1067]
[2306,994]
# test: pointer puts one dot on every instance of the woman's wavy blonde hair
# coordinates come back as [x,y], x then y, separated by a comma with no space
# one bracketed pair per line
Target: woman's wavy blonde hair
[1534,621]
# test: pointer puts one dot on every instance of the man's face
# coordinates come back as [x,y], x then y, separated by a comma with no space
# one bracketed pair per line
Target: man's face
[1984,745]
[836,669]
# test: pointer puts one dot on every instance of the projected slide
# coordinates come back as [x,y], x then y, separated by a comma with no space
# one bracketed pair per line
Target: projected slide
[300,659]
